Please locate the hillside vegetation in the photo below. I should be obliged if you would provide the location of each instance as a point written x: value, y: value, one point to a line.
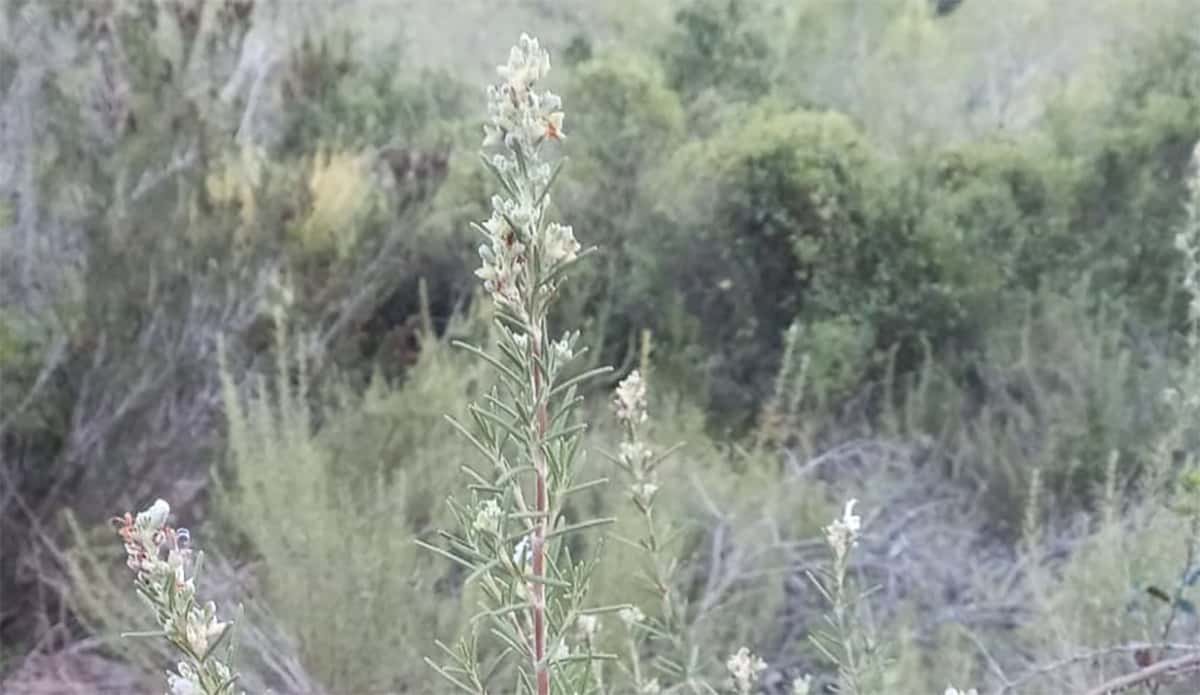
x: 937, y: 256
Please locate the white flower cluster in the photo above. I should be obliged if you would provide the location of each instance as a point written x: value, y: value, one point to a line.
x: 634, y: 456
x: 518, y: 116
x: 489, y: 517
x: 520, y: 119
x: 631, y: 616
x: 802, y: 686
x: 586, y: 627
x: 160, y: 556
x: 956, y: 691
x: 630, y: 401
x: 842, y: 534
x: 744, y: 668
x: 505, y: 256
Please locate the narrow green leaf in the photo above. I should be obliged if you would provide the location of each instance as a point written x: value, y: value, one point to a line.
x: 487, y: 453
x: 583, y: 486
x: 503, y: 611
x: 449, y: 556
x: 453, y: 681
x: 491, y: 672
x: 147, y: 633
x: 500, y: 630
x: 605, y: 610
x: 507, y: 427
x: 550, y: 182
x: 547, y: 581
x: 512, y: 473
x: 481, y: 570
x: 487, y: 163
x: 502, y: 406
x: 565, y: 432
x: 580, y: 526
x: 486, y: 357
x: 579, y: 378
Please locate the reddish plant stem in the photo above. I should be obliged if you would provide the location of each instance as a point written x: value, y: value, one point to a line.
x: 538, y: 590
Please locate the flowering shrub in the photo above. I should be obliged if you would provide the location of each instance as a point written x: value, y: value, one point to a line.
x: 166, y: 570
x: 512, y: 530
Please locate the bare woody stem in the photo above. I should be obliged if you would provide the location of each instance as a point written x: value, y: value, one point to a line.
x: 1182, y: 664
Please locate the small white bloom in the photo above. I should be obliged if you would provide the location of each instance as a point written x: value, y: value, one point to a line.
x: 644, y: 491
x: 154, y: 517
x: 744, y: 668
x: 197, y: 637
x: 185, y: 682
x: 560, y: 652
x: 956, y: 691
x: 203, y: 628
x: 501, y: 163
x: 540, y: 174
x: 562, y: 349
x: 521, y: 553
x: 842, y: 534
x: 630, y: 400
x: 492, y: 136
x: 650, y: 687
x: 561, y: 245
x: 802, y: 686
x: 631, y: 616
x: 549, y: 101
x: 527, y: 63
x: 586, y: 626
x: 850, y: 520
x: 634, y: 454
x: 489, y: 517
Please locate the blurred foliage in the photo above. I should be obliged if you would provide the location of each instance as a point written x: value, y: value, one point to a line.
x: 772, y: 225
x: 713, y: 46
x: 331, y: 487
x: 159, y: 202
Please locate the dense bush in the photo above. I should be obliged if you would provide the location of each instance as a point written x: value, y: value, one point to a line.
x: 773, y: 226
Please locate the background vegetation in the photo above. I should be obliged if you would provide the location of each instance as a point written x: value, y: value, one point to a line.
x: 919, y: 252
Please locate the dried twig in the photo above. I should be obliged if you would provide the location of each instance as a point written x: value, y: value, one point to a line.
x: 1178, y: 665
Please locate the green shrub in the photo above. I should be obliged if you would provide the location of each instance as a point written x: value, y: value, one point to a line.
x: 632, y: 119
x: 331, y: 488
x: 714, y: 46
x: 772, y: 224
x: 1131, y: 145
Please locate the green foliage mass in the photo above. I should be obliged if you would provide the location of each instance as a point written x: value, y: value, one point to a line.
x: 771, y: 227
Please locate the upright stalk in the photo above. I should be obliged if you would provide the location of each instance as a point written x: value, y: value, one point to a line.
x: 532, y: 589
x: 541, y: 506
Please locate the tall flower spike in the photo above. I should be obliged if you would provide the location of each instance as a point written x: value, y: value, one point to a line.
x: 512, y: 540
x: 520, y: 120
x: 164, y: 570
